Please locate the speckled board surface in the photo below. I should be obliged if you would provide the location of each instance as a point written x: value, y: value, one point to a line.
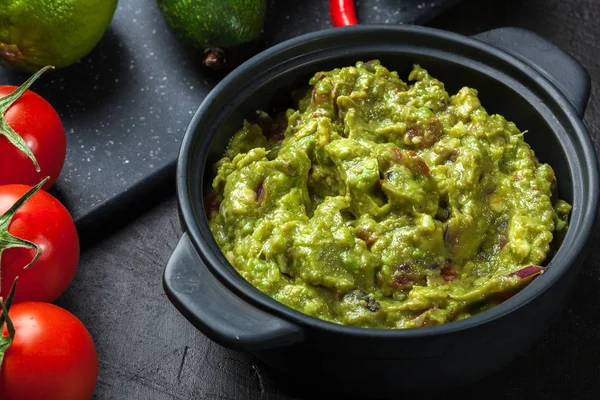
x: 126, y: 106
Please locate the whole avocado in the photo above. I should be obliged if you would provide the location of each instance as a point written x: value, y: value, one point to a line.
x: 216, y: 27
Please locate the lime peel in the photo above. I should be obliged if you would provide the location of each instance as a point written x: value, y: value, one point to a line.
x: 36, y: 33
x: 11, y: 53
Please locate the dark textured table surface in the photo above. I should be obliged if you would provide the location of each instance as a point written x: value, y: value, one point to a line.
x: 147, y: 350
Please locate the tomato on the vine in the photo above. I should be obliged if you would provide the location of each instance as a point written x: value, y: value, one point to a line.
x: 32, y: 137
x: 39, y: 227
x: 52, y: 355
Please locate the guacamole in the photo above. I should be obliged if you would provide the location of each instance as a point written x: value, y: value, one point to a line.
x: 381, y: 203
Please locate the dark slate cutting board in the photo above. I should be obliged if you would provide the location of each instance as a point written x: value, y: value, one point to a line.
x: 126, y: 106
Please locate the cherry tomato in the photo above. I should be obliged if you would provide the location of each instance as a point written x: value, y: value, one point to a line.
x: 40, y: 126
x: 44, y: 221
x: 52, y: 356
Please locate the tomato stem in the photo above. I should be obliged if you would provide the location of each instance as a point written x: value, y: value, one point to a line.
x: 6, y: 341
x: 9, y: 300
x: 342, y: 12
x: 5, y: 129
x: 8, y: 241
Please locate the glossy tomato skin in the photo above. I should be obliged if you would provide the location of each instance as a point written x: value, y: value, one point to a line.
x: 38, y: 123
x: 44, y: 221
x: 52, y: 357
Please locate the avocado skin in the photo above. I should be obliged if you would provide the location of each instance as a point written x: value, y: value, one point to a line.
x: 214, y: 23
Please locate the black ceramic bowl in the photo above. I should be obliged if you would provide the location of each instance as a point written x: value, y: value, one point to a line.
x: 518, y: 74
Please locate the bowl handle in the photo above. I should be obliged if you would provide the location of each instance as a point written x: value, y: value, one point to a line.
x: 557, y: 66
x: 216, y: 311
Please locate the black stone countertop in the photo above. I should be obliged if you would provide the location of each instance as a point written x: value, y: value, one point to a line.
x: 148, y: 350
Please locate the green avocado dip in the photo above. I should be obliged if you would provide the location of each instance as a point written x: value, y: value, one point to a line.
x: 383, y: 204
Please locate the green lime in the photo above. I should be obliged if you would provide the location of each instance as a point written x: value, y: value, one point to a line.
x: 36, y: 33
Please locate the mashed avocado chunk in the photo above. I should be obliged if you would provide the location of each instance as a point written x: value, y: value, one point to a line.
x: 381, y: 203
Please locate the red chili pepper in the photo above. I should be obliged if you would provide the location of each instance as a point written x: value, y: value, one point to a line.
x: 342, y: 12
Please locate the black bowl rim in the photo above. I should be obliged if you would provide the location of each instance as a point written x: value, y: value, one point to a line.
x: 235, y: 282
